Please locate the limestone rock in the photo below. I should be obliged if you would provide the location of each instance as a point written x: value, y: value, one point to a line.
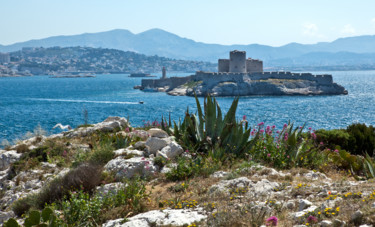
x: 303, y: 204
x: 167, y: 217
x: 262, y: 187
x: 225, y: 185
x: 7, y: 158
x: 4, y: 216
x: 130, y: 167
x: 171, y: 151
x: 338, y: 223
x: 156, y: 132
x: 127, y: 151
x: 219, y: 174
x: 140, y: 133
x: 302, y: 213
x: 111, y: 124
x: 109, y: 188
x: 154, y: 144
x: 140, y: 145
x: 326, y: 223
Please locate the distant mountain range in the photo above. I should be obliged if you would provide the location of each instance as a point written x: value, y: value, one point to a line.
x: 352, y: 51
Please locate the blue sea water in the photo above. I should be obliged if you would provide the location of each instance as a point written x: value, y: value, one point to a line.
x: 26, y: 102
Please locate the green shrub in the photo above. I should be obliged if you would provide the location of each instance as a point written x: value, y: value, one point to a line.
x: 160, y: 161
x: 102, y: 155
x: 186, y: 168
x: 85, y: 177
x: 81, y: 210
x: 23, y: 205
x: 332, y: 138
x: 362, y: 139
x: 22, y: 148
x: 182, y: 171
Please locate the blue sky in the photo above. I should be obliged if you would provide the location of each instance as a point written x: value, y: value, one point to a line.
x: 269, y: 22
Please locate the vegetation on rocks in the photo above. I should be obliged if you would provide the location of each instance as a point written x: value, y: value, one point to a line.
x: 217, y: 169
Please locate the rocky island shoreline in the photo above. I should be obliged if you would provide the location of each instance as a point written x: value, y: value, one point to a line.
x: 239, y: 76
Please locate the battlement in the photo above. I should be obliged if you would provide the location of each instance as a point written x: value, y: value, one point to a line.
x: 229, y: 76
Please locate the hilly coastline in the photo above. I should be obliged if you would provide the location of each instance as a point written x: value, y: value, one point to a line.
x: 341, y: 54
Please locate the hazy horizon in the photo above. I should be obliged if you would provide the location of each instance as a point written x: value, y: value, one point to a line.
x: 272, y: 23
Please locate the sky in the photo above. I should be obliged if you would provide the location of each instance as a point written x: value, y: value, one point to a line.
x: 268, y: 22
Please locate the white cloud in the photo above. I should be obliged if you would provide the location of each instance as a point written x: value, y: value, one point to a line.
x: 373, y: 21
x: 311, y: 30
x: 348, y: 29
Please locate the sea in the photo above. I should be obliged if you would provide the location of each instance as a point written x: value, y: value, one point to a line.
x: 30, y: 102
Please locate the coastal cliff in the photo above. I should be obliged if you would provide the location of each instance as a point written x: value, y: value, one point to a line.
x: 259, y: 87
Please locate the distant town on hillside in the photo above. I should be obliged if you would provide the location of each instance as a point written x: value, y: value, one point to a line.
x: 73, y: 60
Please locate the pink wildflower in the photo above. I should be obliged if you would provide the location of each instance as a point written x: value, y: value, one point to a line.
x: 312, y: 219
x: 244, y: 117
x: 337, y: 151
x: 271, y: 221
x: 261, y: 123
x: 268, y: 155
x: 285, y: 125
x: 273, y: 126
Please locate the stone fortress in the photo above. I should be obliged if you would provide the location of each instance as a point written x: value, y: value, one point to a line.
x: 245, y: 77
x: 237, y: 63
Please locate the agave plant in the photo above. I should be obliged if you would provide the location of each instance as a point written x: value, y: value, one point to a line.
x: 209, y: 130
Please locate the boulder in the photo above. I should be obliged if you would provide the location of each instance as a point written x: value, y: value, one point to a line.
x: 167, y: 217
x: 7, y: 158
x: 154, y: 144
x: 140, y: 133
x: 4, y: 216
x: 131, y: 167
x: 303, y: 204
x: 171, y: 151
x: 156, y: 132
x: 296, y: 216
x: 219, y: 174
x: 109, y: 188
x: 263, y: 187
x: 225, y: 185
x: 326, y: 223
x: 127, y: 151
x: 111, y: 124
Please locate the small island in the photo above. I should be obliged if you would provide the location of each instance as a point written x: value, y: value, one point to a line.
x: 239, y: 76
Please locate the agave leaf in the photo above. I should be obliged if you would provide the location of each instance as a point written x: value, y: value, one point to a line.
x: 230, y: 117
x: 200, y: 115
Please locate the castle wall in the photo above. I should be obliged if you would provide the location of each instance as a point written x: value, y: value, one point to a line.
x: 223, y: 65
x: 253, y: 65
x: 171, y: 82
x: 237, y: 62
x: 210, y: 77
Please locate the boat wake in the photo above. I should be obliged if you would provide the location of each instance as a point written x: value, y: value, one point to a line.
x: 85, y: 101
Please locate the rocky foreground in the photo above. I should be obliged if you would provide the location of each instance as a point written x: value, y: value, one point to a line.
x: 241, y: 195
x: 260, y: 87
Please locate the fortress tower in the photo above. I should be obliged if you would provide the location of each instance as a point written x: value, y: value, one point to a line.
x: 239, y: 64
x: 164, y: 73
